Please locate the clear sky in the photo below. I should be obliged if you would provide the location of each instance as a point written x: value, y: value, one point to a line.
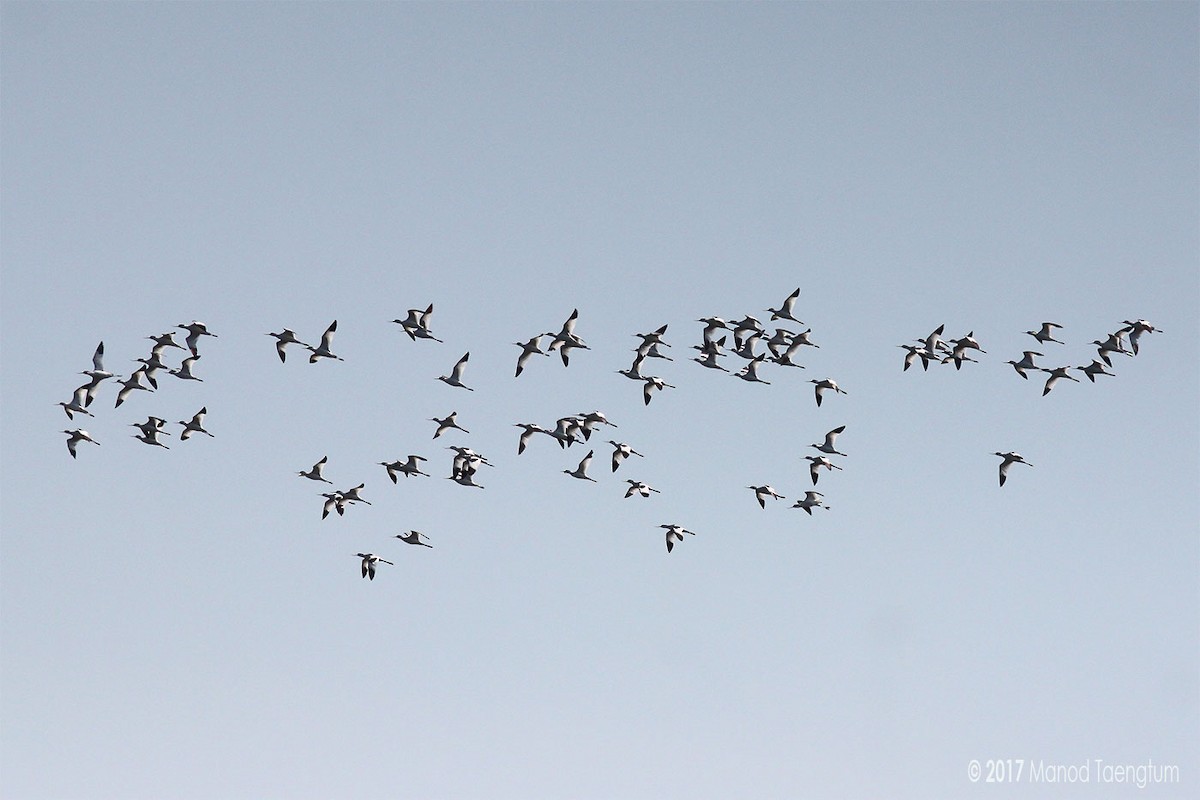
x: 182, y: 623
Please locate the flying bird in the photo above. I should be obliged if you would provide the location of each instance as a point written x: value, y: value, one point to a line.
x: 827, y: 446
x: 581, y: 470
x: 322, y: 350
x: 195, y: 425
x: 814, y: 466
x: 185, y: 369
x: 1055, y: 375
x: 621, y: 451
x: 455, y: 376
x: 77, y: 403
x: 446, y: 424
x: 785, y: 309
x: 821, y: 386
x: 652, y: 384
x: 811, y: 500
x: 75, y: 437
x: 284, y: 338
x: 761, y: 493
x: 195, y: 331
x: 1009, y: 459
x: 1045, y: 333
x: 314, y: 474
x: 675, y: 535
x: 369, y: 560
x: 1026, y: 363
x: 638, y: 487
x: 413, y: 537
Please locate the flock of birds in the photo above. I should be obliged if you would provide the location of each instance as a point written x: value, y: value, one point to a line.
x: 752, y: 342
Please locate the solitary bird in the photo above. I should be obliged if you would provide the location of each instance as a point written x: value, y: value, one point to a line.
x: 1009, y: 459
x: 455, y: 376
x: 284, y: 338
x: 1026, y: 363
x: 638, y: 487
x: 322, y: 350
x: 814, y: 466
x: 581, y: 470
x: 413, y: 537
x: 1045, y: 333
x: 675, y: 535
x: 77, y: 403
x: 194, y: 425
x: 446, y: 424
x: 185, y: 369
x: 369, y: 560
x: 532, y: 347
x: 652, y: 384
x: 785, y: 310
x: 822, y: 385
x: 811, y: 500
x: 75, y: 437
x: 622, y: 451
x: 195, y: 331
x: 827, y: 446
x: 1055, y: 375
x: 314, y: 474
x: 761, y: 493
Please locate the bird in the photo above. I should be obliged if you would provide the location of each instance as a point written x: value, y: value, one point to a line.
x: 811, y: 500
x: 652, y: 338
x: 1045, y: 333
x: 314, y: 474
x: 634, y: 372
x: 413, y: 537
x: 455, y: 376
x: 163, y: 341
x: 369, y: 560
x: 185, y: 369
x: 416, y: 325
x: 408, y: 468
x: 749, y: 373
x: 827, y: 446
x: 566, y: 340
x: 75, y: 437
x: 529, y: 429
x: 195, y: 425
x: 638, y: 487
x: 822, y: 385
x: 745, y: 348
x: 1094, y: 369
x: 466, y: 459
x: 621, y: 451
x: 333, y: 502
x: 761, y: 493
x: 352, y: 495
x: 129, y: 385
x: 322, y: 350
x: 711, y: 326
x: 591, y: 419
x: 581, y: 470
x: 968, y: 342
x: 1010, y: 458
x: 1055, y: 375
x: 1110, y: 345
x: 958, y: 354
x: 152, y: 426
x: 77, y: 403
x: 529, y: 348
x: 195, y: 331
x: 464, y: 475
x: 149, y: 369
x: 1026, y: 363
x: 1135, y: 329
x: 97, y: 369
x: 150, y: 437
x: 566, y: 431
x: 709, y: 360
x: 914, y: 353
x: 446, y: 424
x: 785, y: 309
x: 779, y: 341
x: 651, y: 384
x: 749, y: 326
x: 675, y: 535
x: 933, y: 340
x: 815, y: 464
x: 284, y: 338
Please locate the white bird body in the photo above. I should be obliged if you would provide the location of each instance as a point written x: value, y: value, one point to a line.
x: 581, y: 470
x: 314, y: 474
x: 1045, y: 333
x: 621, y: 451
x: 1009, y: 459
x: 822, y: 385
x: 814, y: 466
x: 408, y: 468
x: 75, y: 437
x: 455, y: 376
x: 915, y: 352
x: 1056, y: 374
x: 195, y: 331
x: 528, y: 430
x: 195, y: 425
x: 529, y: 348
x: 785, y: 310
x: 675, y: 535
x: 1026, y: 363
x: 828, y: 445
x: 284, y: 338
x: 447, y: 423
x: 129, y: 386
x: 749, y: 372
x: 761, y: 493
x: 638, y: 487
x: 185, y: 369
x: 323, y: 349
x: 369, y: 560
x: 811, y: 500
x: 77, y: 404
x: 652, y: 384
x: 1094, y: 369
x: 413, y: 537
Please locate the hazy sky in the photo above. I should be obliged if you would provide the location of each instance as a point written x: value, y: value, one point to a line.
x: 182, y: 623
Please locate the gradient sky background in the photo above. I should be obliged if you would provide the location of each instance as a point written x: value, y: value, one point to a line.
x: 182, y: 624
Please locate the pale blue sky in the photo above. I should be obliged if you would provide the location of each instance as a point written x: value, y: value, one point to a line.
x: 183, y: 624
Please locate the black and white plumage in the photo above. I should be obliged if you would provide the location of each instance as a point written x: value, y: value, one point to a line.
x: 455, y: 376
x: 283, y: 339
x: 75, y: 437
x: 413, y: 537
x: 761, y: 493
x: 194, y: 425
x: 369, y: 560
x: 323, y: 350
x: 1009, y: 459
x: 315, y: 474
x: 828, y: 445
